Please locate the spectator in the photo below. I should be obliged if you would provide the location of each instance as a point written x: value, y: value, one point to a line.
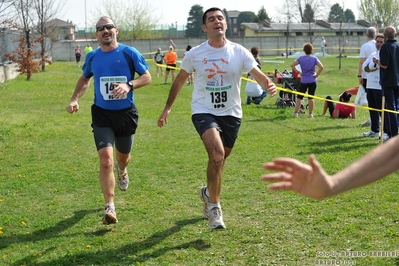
x: 323, y: 45
x: 170, y: 59
x: 340, y: 110
x: 190, y: 78
x: 365, y: 51
x: 255, y: 93
x: 88, y: 49
x: 78, y: 54
x: 389, y: 78
x: 158, y: 60
x: 312, y: 181
x: 308, y: 75
x: 374, y: 92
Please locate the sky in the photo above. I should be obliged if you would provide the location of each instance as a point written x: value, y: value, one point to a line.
x: 173, y: 11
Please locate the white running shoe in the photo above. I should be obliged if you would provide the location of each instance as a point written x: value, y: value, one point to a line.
x: 109, y: 216
x: 205, y: 200
x: 215, y: 217
x: 123, y: 178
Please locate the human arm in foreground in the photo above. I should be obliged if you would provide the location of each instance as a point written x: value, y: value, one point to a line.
x: 174, y: 91
x: 264, y: 81
x: 80, y: 89
x: 312, y: 181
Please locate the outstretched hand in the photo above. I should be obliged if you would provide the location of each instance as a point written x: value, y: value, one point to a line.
x: 309, y: 180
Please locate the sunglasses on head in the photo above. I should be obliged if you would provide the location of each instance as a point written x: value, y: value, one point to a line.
x: 108, y: 27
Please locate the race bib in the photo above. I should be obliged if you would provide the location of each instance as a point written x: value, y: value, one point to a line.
x: 107, y: 85
x: 218, y: 97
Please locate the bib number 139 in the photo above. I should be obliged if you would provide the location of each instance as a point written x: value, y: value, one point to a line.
x: 218, y: 98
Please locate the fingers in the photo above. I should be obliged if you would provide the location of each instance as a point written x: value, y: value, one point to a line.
x: 281, y: 186
x: 277, y: 177
x: 162, y: 121
x: 71, y: 108
x: 282, y: 164
x: 120, y: 91
x: 316, y: 166
x: 271, y: 89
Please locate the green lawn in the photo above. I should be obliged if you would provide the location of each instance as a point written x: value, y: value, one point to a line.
x: 51, y: 202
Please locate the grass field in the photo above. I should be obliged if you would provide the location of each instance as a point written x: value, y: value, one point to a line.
x: 51, y: 203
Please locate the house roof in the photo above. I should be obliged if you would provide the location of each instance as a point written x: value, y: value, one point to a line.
x: 233, y: 13
x: 317, y: 26
x: 60, y: 23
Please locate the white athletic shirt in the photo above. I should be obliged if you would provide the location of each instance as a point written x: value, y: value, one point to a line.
x: 365, y: 51
x: 218, y: 73
x: 373, y: 78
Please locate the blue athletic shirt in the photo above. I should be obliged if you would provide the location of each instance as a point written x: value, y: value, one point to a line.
x: 116, y: 66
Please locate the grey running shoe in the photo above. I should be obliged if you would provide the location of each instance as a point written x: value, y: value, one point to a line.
x: 205, y: 199
x: 371, y: 134
x: 123, y: 178
x: 109, y: 216
x: 216, y: 219
x: 385, y: 136
x: 366, y: 124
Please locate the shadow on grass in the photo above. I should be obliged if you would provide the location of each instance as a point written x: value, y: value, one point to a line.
x: 46, y: 233
x: 128, y: 254
x: 336, y: 146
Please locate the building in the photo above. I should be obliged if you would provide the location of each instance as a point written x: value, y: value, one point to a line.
x: 61, y: 30
x: 234, y: 27
x: 314, y: 29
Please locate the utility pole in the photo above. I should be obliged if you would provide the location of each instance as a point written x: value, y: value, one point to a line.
x: 85, y: 21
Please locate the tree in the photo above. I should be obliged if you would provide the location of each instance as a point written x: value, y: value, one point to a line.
x: 229, y: 27
x: 5, y: 5
x: 246, y: 16
x: 7, y: 21
x: 384, y: 12
x: 194, y: 22
x: 45, y: 11
x: 336, y: 14
x: 296, y: 8
x: 133, y: 18
x: 262, y: 15
x: 25, y: 55
x: 308, y: 14
x: 349, y: 16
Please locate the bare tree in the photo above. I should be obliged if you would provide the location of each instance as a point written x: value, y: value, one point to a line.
x: 135, y: 19
x: 6, y: 8
x: 296, y: 8
x: 380, y: 12
x: 24, y: 55
x: 7, y: 18
x: 46, y: 10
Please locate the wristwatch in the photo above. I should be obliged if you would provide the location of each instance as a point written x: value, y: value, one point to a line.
x: 359, y: 76
x: 130, y: 84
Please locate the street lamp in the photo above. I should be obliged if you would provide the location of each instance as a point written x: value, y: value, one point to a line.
x: 85, y: 22
x: 176, y: 28
x: 288, y: 33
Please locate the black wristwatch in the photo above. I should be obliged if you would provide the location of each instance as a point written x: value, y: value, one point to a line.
x: 130, y: 84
